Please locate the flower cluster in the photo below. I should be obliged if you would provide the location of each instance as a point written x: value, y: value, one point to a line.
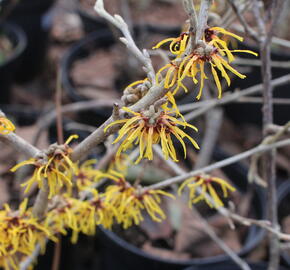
x: 6, y: 126
x: 85, y: 175
x: 151, y: 127
x: 130, y: 202
x: 119, y: 202
x: 53, y: 166
x: 191, y: 62
x: 80, y: 216
x: 206, y: 182
x: 20, y: 232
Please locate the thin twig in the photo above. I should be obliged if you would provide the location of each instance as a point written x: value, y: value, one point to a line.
x: 83, y: 149
x: 58, y: 106
x: 41, y: 202
x: 44, y: 121
x: 208, y: 229
x: 248, y: 30
x: 190, y: 10
x: 118, y: 21
x: 202, y: 19
x: 269, y: 161
x: 19, y: 144
x: 220, y: 164
x: 24, y: 265
x: 234, y: 96
x: 257, y: 62
x: 56, y: 254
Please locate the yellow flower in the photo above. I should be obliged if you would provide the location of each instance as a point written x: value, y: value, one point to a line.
x: 80, y: 216
x: 134, y: 206
x: 171, y: 77
x: 130, y: 202
x: 150, y: 127
x: 206, y: 183
x: 116, y: 194
x: 136, y: 84
x: 151, y: 200
x: 6, y: 126
x: 177, y: 45
x: 120, y: 163
x: 86, y: 174
x: 54, y: 165
x: 194, y: 63
x: 20, y: 232
x: 211, y: 37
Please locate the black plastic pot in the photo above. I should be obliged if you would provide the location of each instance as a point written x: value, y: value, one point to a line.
x: 121, y: 255
x: 233, y: 266
x: 242, y: 113
x: 36, y: 20
x: 80, y: 256
x: 82, y: 49
x: 10, y: 65
x: 284, y: 210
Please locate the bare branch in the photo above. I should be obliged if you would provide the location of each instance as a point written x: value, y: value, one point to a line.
x: 155, y: 93
x: 190, y: 10
x: 220, y: 164
x: 202, y: 18
x: 19, y: 144
x: 209, y: 230
x: 249, y: 31
x: 233, y: 97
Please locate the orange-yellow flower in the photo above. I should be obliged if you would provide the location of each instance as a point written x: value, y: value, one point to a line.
x: 177, y: 45
x: 132, y: 210
x: 151, y: 127
x: 170, y: 77
x: 130, y: 202
x: 80, y: 216
x: 53, y: 166
x: 116, y: 194
x: 211, y: 38
x: 6, y: 126
x: 86, y: 175
x: 194, y: 64
x: 206, y: 183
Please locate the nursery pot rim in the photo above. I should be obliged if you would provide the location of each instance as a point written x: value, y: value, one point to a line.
x: 21, y: 41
